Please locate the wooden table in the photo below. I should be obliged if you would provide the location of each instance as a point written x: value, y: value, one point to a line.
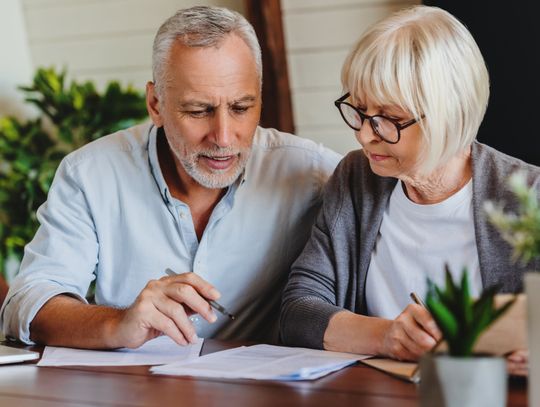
x: 27, y: 385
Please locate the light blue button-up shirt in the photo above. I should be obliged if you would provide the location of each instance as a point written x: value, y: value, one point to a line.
x: 109, y: 216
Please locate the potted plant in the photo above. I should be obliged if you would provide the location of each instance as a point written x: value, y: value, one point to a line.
x: 460, y: 377
x: 522, y: 231
x: 71, y: 115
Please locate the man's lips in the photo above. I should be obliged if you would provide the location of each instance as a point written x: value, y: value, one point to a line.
x: 219, y: 162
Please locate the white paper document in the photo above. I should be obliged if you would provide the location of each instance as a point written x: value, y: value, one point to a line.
x: 157, y: 351
x: 262, y: 362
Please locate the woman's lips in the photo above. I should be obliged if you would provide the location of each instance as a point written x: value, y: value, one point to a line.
x: 377, y: 157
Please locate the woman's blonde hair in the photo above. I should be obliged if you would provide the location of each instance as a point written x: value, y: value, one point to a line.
x: 425, y: 61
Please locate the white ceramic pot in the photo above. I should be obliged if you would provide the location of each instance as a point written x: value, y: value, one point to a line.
x: 448, y: 381
x: 532, y: 288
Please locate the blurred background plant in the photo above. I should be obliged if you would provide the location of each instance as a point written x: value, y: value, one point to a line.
x: 521, y: 229
x: 69, y: 117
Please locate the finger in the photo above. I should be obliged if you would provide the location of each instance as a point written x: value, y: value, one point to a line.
x: 191, y: 298
x: 424, y: 319
x: 401, y: 352
x: 202, y: 286
x: 175, y: 313
x: 518, y: 356
x: 162, y: 323
x: 517, y: 369
x: 398, y: 343
x: 415, y: 332
x: 413, y: 348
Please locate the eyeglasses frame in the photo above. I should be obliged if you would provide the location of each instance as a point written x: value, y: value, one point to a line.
x: 363, y: 116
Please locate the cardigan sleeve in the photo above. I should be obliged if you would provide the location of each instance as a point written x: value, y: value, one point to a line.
x: 309, y: 299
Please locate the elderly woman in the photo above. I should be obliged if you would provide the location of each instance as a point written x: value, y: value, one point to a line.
x: 408, y: 202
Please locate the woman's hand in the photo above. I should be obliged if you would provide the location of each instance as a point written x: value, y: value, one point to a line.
x: 410, y: 335
x: 517, y: 363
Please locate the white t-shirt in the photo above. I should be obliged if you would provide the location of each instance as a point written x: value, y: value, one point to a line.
x: 414, y: 243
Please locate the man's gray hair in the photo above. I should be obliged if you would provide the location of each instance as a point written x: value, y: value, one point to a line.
x: 200, y: 26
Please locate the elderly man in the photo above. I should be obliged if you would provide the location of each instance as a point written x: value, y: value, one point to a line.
x: 202, y: 191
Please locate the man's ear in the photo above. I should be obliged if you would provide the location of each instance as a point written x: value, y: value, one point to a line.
x: 153, y: 104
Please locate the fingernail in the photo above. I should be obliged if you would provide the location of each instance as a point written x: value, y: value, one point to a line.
x: 213, y: 317
x: 214, y: 293
x: 194, y: 338
x: 430, y: 342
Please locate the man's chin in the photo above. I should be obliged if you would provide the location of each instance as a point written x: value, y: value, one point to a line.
x: 217, y: 179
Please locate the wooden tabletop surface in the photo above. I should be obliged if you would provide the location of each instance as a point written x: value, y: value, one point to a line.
x: 25, y: 384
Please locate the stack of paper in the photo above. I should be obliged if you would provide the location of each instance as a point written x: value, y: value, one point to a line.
x: 154, y: 352
x: 262, y: 362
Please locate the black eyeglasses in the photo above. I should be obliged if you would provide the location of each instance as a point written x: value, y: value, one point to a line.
x: 388, y: 129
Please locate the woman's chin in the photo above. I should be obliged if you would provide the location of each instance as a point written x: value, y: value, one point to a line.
x: 381, y: 170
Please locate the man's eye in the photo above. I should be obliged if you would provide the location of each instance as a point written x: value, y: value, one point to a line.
x: 240, y: 109
x: 197, y: 113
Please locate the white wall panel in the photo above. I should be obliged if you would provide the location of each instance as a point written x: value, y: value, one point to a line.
x: 316, y: 108
x: 101, y: 40
x: 294, y: 5
x: 82, y: 18
x: 15, y: 65
x: 97, y: 53
x: 316, y: 69
x: 339, y: 138
x: 322, y: 29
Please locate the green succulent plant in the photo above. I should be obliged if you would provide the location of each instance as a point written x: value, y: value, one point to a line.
x: 71, y: 115
x: 461, y: 318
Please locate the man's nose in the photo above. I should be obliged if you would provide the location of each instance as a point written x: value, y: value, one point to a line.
x: 222, y: 132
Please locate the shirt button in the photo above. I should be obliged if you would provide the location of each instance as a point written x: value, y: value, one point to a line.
x: 182, y: 215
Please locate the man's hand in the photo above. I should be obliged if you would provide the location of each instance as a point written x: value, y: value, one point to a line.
x: 411, y: 334
x: 164, y: 307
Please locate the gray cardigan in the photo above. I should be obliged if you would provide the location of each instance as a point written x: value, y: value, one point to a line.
x: 330, y: 274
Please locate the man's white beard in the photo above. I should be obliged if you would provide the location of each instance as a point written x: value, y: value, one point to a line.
x: 213, y: 178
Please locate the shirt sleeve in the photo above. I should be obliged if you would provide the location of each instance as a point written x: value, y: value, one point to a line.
x: 309, y: 298
x: 61, y: 259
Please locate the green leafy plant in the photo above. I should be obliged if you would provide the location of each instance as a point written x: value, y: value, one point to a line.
x: 71, y: 115
x: 461, y: 318
x: 521, y: 230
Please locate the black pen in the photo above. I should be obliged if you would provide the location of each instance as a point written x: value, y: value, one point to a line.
x: 213, y: 304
